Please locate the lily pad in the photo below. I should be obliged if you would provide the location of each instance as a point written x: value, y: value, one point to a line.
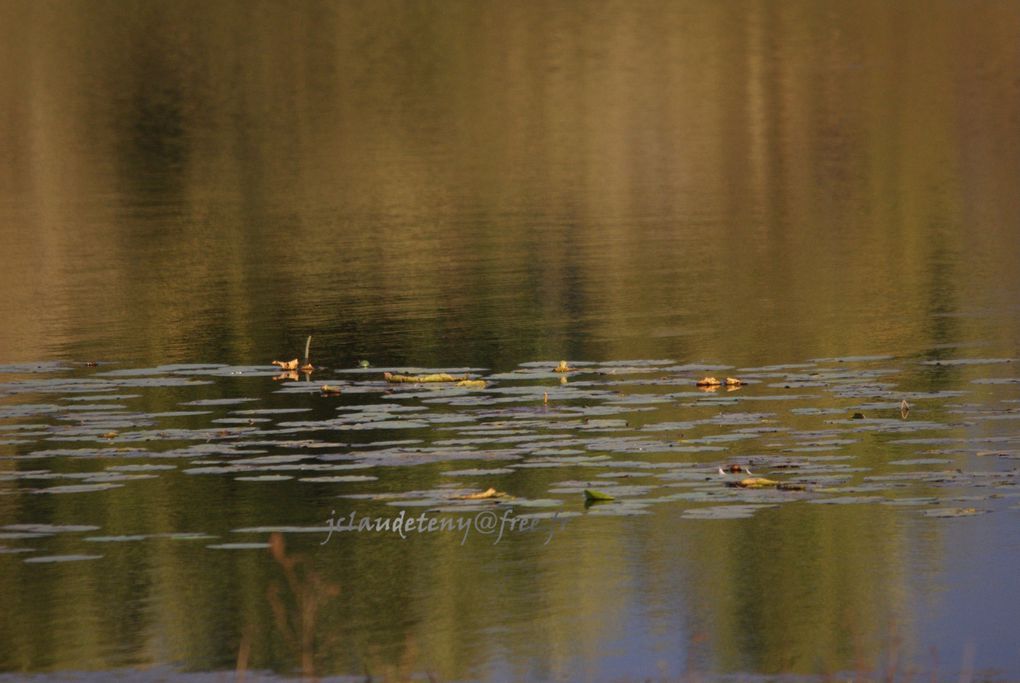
x: 954, y: 512
x: 49, y: 559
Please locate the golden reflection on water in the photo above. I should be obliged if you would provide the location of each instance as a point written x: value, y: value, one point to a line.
x: 490, y: 183
x: 723, y: 181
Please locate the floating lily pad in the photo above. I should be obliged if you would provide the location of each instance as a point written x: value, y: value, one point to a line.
x: 954, y: 512
x: 265, y: 477
x: 187, y: 536
x: 49, y: 559
x: 340, y: 479
x: 477, y: 472
x: 724, y: 512
x: 282, y: 529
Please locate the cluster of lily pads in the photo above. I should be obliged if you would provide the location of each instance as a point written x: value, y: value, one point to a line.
x: 631, y: 435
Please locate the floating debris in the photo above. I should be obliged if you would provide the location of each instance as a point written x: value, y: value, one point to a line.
x: 734, y: 469
x: 591, y: 495
x: 329, y: 390
x: 753, y: 483
x: 286, y: 364
x: 423, y: 379
x: 563, y: 367
x: 472, y: 383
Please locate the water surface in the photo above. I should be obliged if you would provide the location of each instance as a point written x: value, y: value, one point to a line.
x: 819, y: 199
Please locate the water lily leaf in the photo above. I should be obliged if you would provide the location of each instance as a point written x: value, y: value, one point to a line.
x: 78, y: 488
x: 954, y: 512
x: 724, y: 511
x: 340, y: 478
x: 51, y: 528
x: 47, y: 559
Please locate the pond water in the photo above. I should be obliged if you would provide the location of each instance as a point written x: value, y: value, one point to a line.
x: 818, y: 200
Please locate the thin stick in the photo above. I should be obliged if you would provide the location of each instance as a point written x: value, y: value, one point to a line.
x: 308, y: 346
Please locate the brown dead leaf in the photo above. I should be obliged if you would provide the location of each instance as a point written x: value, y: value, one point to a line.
x: 286, y: 365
